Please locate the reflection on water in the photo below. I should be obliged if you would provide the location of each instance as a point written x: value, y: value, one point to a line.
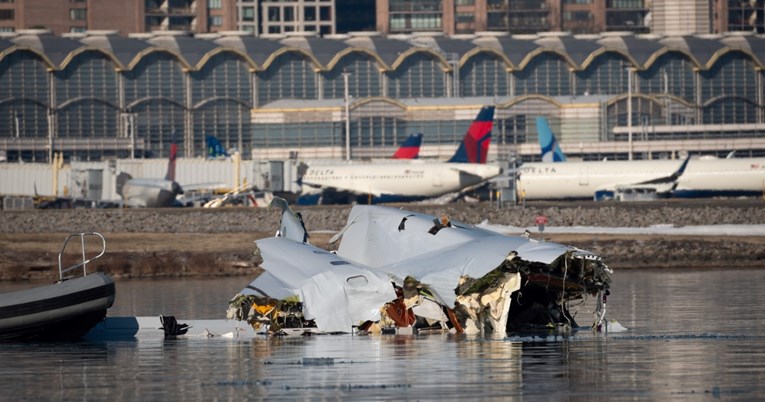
x: 696, y: 333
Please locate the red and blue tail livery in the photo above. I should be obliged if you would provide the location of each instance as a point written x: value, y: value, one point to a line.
x: 410, y: 148
x: 170, y: 175
x: 475, y: 146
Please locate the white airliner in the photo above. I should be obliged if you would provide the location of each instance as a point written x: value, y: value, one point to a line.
x: 407, y: 181
x: 595, y: 180
x: 602, y: 180
x: 702, y: 177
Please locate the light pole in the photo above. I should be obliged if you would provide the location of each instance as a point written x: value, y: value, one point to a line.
x: 629, y: 113
x: 346, y: 75
x: 17, y: 129
x: 16, y: 124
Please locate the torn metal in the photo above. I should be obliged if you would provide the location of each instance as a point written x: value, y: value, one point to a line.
x: 396, y: 270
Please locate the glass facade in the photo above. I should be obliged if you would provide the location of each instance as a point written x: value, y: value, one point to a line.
x: 484, y: 75
x: 363, y: 77
x: 158, y: 96
x: 290, y: 76
x: 672, y: 73
x: 548, y: 74
x: 221, y: 98
x: 606, y: 75
x: 420, y: 75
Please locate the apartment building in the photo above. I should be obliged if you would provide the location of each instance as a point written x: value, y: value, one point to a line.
x: 197, y: 16
x: 515, y: 16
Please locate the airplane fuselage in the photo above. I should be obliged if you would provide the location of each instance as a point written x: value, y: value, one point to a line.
x: 702, y: 177
x: 410, y: 179
x: 151, y: 193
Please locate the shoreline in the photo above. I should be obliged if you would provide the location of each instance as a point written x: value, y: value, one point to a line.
x: 174, y: 243
x: 34, y: 256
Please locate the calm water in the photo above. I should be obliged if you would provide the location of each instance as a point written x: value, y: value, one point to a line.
x: 695, y: 334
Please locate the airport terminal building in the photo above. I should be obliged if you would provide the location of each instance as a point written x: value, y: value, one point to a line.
x: 97, y: 95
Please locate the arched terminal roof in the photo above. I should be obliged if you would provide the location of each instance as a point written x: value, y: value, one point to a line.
x: 257, y: 49
x: 639, y: 49
x: 703, y: 50
x: 193, y: 50
x: 324, y: 50
x: 55, y: 49
x: 389, y: 50
x: 125, y: 50
x: 516, y: 50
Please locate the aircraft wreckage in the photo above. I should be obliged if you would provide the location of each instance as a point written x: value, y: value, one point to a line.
x: 399, y: 271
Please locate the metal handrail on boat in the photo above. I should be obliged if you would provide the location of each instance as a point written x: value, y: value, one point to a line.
x: 85, y: 261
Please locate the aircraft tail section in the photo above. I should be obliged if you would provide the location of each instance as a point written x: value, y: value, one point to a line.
x: 475, y: 146
x: 214, y: 147
x: 291, y: 225
x: 171, y: 163
x: 551, y: 151
x: 410, y: 148
x: 122, y: 178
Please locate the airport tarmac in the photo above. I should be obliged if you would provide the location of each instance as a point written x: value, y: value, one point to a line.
x: 144, y: 243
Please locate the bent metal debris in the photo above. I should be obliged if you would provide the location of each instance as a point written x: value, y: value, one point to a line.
x: 397, y: 271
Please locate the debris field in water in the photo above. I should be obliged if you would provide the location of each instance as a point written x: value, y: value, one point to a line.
x: 397, y: 271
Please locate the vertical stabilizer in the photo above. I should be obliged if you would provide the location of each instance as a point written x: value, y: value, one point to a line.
x: 171, y: 163
x: 474, y: 148
x: 214, y: 147
x: 410, y: 148
x: 551, y: 151
x: 291, y: 226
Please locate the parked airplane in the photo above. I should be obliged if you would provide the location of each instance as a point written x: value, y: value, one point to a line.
x: 409, y: 181
x: 701, y: 177
x: 597, y: 180
x: 150, y: 192
x: 551, y: 151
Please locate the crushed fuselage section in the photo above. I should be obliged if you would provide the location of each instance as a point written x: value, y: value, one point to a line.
x: 393, y: 273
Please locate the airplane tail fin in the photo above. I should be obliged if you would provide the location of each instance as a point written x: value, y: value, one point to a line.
x: 171, y: 163
x: 551, y: 151
x: 291, y: 225
x: 475, y: 146
x: 410, y: 148
x: 122, y: 178
x: 214, y: 147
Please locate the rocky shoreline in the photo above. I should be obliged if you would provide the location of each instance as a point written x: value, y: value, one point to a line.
x: 242, y: 220
x: 203, y: 242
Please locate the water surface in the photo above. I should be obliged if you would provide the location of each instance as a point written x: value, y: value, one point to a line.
x: 693, y: 334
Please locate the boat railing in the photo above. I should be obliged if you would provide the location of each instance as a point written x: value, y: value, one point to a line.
x: 85, y: 260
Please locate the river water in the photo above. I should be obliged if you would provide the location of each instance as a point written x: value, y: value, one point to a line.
x: 692, y: 334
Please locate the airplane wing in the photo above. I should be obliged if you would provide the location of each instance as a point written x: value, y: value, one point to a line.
x: 671, y: 178
x: 659, y: 185
x: 334, y: 292
x: 204, y: 186
x: 461, y: 170
x: 450, y: 197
